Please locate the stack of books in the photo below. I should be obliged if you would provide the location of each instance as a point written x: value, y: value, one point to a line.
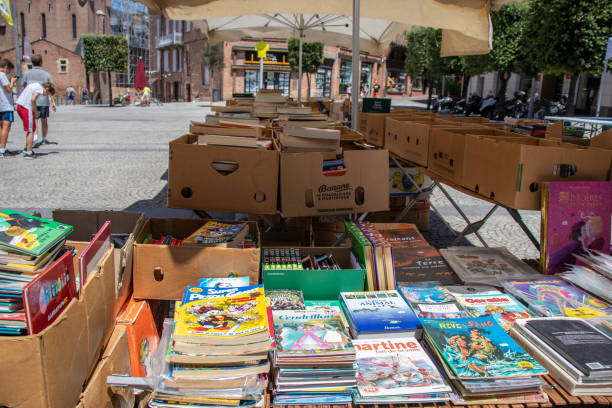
x: 219, y: 348
x: 577, y: 354
x: 28, y: 247
x: 298, y: 139
x: 266, y: 103
x: 594, y: 276
x: 483, y: 363
x: 314, y: 358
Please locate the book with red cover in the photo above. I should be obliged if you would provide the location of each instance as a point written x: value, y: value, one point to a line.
x: 90, y: 257
x: 47, y: 295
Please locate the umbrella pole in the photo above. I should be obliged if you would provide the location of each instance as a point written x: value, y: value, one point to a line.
x: 355, y: 67
x: 300, y: 60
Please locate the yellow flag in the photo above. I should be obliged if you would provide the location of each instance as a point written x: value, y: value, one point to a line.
x: 5, y: 9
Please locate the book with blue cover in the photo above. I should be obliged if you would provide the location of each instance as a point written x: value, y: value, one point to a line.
x: 479, y: 348
x: 432, y: 301
x: 371, y: 314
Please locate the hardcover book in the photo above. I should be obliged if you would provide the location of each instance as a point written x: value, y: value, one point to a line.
x: 395, y: 367
x: 373, y: 313
x: 29, y: 234
x: 479, y: 348
x: 549, y: 296
x: 90, y: 257
x: 421, y: 264
x: 286, y: 299
x: 503, y: 308
x: 575, y: 219
x: 364, y: 251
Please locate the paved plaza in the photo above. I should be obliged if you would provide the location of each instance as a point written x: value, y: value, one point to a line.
x: 117, y: 158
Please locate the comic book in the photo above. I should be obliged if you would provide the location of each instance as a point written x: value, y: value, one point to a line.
x: 218, y: 234
x: 235, y: 282
x: 479, y: 348
x: 430, y: 301
x: 504, y: 308
x: 222, y: 316
x: 549, y: 296
x: 30, y: 235
x: 395, y: 367
x: 286, y: 299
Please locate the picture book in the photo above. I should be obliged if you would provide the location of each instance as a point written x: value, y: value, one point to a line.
x: 311, y: 332
x: 421, y: 264
x: 459, y: 290
x: 503, y: 308
x: 575, y: 219
x: 479, y: 348
x: 395, y: 367
x: 286, y: 299
x: 236, y: 282
x: 47, y: 295
x: 378, y: 312
x: 29, y: 234
x: 549, y: 296
x: 485, y: 265
x: 90, y: 257
x: 425, y: 292
x: 225, y: 316
x: 220, y: 234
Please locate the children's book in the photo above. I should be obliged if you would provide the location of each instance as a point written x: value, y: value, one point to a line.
x: 549, y: 296
x: 286, y: 299
x: 460, y: 290
x: 47, y: 295
x: 29, y: 234
x: 398, y: 366
x: 432, y: 301
x: 89, y: 258
x: 219, y: 234
x: 222, y: 316
x: 485, y: 265
x: 575, y: 219
x: 373, y: 313
x: 237, y: 282
x: 503, y: 308
x: 479, y: 348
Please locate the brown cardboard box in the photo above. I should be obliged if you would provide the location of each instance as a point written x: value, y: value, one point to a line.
x: 475, y: 120
x: 193, y: 183
x: 447, y: 149
x: 50, y: 368
x: 115, y: 360
x: 162, y: 271
x: 86, y: 223
x: 305, y: 191
x: 372, y: 125
x: 511, y: 170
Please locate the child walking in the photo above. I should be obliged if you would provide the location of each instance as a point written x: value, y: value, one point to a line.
x: 6, y: 104
x: 26, y: 108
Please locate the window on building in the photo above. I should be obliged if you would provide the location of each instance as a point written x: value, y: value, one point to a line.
x: 188, y: 59
x: 2, y: 29
x: 251, y: 81
x: 179, y: 27
x: 205, y: 76
x: 323, y: 82
x: 63, y: 66
x: 158, y: 65
x: 174, y: 61
x: 166, y: 61
x: 346, y: 75
x: 74, y: 27
x: 23, y: 30
x: 43, y: 22
x: 188, y: 26
x: 157, y: 26
x: 167, y: 27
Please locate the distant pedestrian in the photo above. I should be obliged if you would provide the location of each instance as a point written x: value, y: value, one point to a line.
x: 27, y: 110
x: 376, y: 89
x: 37, y: 74
x: 85, y: 97
x: 70, y: 95
x: 349, y: 90
x: 6, y: 103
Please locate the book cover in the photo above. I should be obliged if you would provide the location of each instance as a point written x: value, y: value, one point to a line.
x: 479, y: 348
x: 549, y: 296
x: 421, y: 264
x: 29, y: 234
x: 286, y: 299
x: 46, y: 296
x: 395, y: 367
x: 237, y: 282
x: 220, y: 315
x: 503, y: 308
x: 90, y: 257
x: 398, y: 234
x: 378, y: 247
x: 378, y: 312
x: 427, y: 292
x: 482, y: 265
x: 215, y: 233
x: 575, y: 219
x: 578, y: 342
x: 311, y: 332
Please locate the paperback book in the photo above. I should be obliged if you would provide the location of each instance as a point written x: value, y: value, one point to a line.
x: 286, y: 299
x: 219, y: 234
x: 503, y: 308
x: 28, y: 234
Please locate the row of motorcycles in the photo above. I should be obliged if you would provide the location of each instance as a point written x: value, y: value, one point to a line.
x: 494, y: 109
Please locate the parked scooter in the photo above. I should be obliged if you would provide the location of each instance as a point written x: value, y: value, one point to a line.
x: 458, y: 106
x: 473, y: 104
x: 488, y: 106
x: 442, y: 104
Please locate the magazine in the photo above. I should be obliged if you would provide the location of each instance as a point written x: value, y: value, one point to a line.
x: 430, y: 301
x: 503, y: 308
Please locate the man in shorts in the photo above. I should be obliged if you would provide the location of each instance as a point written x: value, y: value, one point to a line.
x: 6, y: 103
x: 37, y: 74
x: 27, y: 107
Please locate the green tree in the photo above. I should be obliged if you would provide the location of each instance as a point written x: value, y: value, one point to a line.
x: 312, y: 57
x: 105, y: 53
x: 568, y: 36
x: 213, y: 59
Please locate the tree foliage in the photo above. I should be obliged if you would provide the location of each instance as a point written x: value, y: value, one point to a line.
x: 212, y: 57
x: 423, y: 55
x: 105, y: 53
x: 312, y: 55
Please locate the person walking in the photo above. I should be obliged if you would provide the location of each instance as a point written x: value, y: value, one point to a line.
x: 70, y: 95
x: 6, y: 103
x: 37, y: 74
x: 85, y: 97
x: 27, y: 110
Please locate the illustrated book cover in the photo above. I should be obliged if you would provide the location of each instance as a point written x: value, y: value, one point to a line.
x: 236, y: 282
x: 286, y: 299
x: 432, y: 301
x: 29, y: 234
x: 504, y: 308
x: 421, y: 264
x: 219, y: 234
x: 479, y: 348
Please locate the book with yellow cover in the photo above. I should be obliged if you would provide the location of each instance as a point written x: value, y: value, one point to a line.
x: 222, y: 316
x: 218, y: 234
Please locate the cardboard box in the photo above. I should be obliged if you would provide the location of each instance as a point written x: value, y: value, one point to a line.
x: 447, y: 149
x: 50, y: 368
x: 86, y: 223
x: 511, y: 170
x: 306, y: 191
x: 319, y: 284
x: 193, y: 182
x: 162, y: 272
x: 115, y: 360
x: 143, y: 339
x: 372, y: 125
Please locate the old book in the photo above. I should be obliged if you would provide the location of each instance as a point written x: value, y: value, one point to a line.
x: 299, y: 144
x: 294, y: 110
x: 242, y: 130
x: 311, y: 133
x: 306, y: 123
x: 235, y: 141
x: 232, y: 109
x: 216, y: 120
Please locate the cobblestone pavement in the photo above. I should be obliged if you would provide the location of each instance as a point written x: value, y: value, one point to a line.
x: 117, y: 158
